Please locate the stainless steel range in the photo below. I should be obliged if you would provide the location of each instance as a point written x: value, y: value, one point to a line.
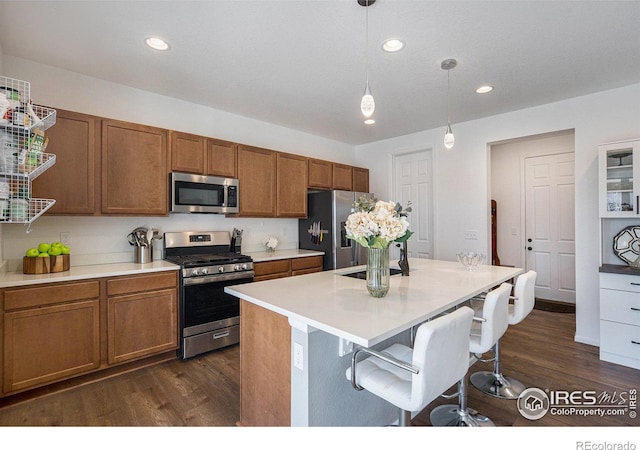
x: 209, y: 317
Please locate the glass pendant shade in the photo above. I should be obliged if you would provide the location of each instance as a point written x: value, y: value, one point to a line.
x: 449, y: 139
x: 367, y: 104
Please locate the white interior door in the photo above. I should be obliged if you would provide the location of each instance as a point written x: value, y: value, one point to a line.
x: 413, y: 180
x: 550, y: 225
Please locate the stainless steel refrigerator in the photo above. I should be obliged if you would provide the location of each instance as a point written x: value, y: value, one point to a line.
x: 323, y: 230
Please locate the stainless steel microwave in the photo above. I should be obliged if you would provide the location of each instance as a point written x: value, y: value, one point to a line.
x: 190, y: 193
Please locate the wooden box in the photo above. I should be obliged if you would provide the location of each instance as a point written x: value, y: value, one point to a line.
x: 37, y: 265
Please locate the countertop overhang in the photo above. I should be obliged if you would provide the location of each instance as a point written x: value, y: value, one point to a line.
x: 342, y: 306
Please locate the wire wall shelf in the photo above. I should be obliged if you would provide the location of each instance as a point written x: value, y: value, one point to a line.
x: 22, y: 152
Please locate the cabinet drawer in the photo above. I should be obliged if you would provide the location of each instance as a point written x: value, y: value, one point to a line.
x: 620, y: 306
x: 620, y: 339
x: 280, y: 266
x: 308, y: 262
x: 50, y: 294
x: 140, y: 283
x: 620, y: 282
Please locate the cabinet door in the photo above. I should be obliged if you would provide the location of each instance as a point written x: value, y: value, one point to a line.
x: 619, y: 179
x: 320, y: 174
x: 222, y: 158
x: 342, y: 177
x: 269, y: 270
x: 360, y: 179
x: 73, y: 179
x: 187, y: 153
x: 134, y: 169
x: 142, y: 324
x: 292, y: 186
x: 308, y: 264
x: 257, y: 178
x: 51, y: 343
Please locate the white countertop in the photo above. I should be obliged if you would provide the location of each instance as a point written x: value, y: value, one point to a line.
x: 12, y: 279
x: 342, y: 306
x: 282, y: 254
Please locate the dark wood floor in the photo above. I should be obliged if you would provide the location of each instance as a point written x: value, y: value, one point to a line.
x: 204, y: 391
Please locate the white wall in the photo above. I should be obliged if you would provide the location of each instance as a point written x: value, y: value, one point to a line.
x: 103, y: 239
x: 462, y: 176
x: 507, y: 161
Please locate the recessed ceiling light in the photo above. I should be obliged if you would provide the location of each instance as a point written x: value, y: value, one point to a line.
x: 484, y: 89
x: 156, y: 43
x: 392, y: 45
x: 369, y: 121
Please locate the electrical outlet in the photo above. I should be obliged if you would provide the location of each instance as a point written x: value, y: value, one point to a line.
x: 471, y: 234
x: 65, y: 238
x: 298, y: 356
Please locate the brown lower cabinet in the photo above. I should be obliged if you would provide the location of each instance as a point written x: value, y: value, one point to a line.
x: 142, y: 322
x: 281, y: 268
x: 58, y: 331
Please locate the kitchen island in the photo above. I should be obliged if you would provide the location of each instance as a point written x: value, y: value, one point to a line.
x: 297, y: 336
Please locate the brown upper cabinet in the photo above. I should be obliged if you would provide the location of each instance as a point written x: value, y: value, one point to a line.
x: 134, y: 169
x: 187, y: 152
x: 342, y: 177
x: 73, y: 181
x: 360, y: 179
x: 257, y: 178
x: 320, y: 174
x: 291, y: 185
x: 222, y: 158
x: 202, y: 156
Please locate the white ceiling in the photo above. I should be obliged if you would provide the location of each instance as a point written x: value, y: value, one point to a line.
x: 301, y: 63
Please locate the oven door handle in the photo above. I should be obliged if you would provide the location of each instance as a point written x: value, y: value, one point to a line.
x: 218, y: 277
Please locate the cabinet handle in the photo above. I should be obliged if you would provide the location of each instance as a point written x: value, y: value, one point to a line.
x: 635, y: 309
x: 637, y: 204
x: 634, y: 284
x: 635, y: 342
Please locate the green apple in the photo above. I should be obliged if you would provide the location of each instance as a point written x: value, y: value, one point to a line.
x: 43, y: 255
x: 55, y: 250
x: 66, y: 250
x: 32, y: 252
x: 56, y: 244
x: 44, y: 247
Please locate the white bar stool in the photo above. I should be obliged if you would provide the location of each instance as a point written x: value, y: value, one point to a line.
x: 493, y: 324
x: 494, y: 383
x: 411, y: 378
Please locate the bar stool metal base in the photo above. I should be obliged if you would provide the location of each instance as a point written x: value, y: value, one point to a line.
x: 452, y: 416
x: 497, y: 385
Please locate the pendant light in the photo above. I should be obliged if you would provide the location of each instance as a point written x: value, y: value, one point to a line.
x: 449, y: 139
x: 367, y: 104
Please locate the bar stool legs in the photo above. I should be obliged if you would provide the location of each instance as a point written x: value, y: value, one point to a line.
x: 459, y: 415
x: 496, y: 384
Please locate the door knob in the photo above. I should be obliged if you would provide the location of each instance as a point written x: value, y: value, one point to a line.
x: 529, y: 248
x: 529, y: 240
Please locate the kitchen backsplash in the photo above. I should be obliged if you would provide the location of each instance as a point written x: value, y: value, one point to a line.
x: 101, y: 240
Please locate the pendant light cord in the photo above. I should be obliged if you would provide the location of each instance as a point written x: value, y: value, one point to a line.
x: 366, y: 49
x: 448, y: 99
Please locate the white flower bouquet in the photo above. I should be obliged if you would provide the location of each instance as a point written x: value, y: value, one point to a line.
x: 376, y: 224
x: 271, y: 243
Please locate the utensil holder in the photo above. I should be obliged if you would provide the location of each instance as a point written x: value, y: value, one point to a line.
x: 144, y: 255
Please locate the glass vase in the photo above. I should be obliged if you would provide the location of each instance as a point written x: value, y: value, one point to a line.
x: 378, y: 272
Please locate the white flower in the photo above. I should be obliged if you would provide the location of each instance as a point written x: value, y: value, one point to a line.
x: 271, y: 242
x: 377, y: 227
